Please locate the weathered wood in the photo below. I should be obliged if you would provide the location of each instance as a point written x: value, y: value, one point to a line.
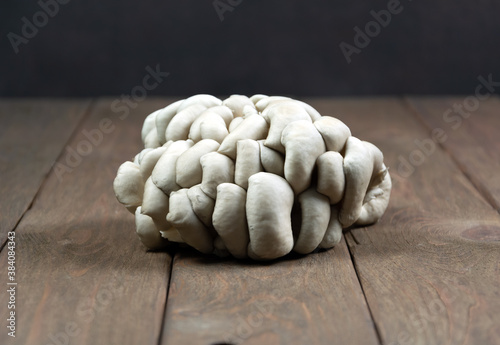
x: 472, y: 137
x: 33, y: 133
x: 430, y: 267
x: 79, y: 262
x: 314, y: 299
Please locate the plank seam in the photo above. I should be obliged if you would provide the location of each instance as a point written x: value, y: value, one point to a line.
x: 478, y: 186
x: 353, y: 260
x: 164, y: 318
x: 86, y: 111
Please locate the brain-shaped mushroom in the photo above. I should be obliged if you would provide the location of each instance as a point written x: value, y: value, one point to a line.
x: 252, y: 177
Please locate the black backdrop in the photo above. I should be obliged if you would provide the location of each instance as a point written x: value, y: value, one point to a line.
x: 102, y: 47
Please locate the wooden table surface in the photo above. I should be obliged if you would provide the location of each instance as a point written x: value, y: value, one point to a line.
x: 427, y: 273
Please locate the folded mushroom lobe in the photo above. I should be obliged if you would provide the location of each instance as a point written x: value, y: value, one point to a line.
x: 217, y: 168
x: 188, y: 167
x: 358, y: 168
x: 334, y: 132
x: 189, y: 226
x: 247, y: 161
x: 279, y: 116
x: 303, y: 146
x: 331, y: 179
x: 163, y: 118
x: 333, y: 232
x: 178, y: 128
x: 164, y: 173
x: 268, y: 209
x: 147, y: 231
x: 129, y: 186
x: 315, y: 211
x: 202, y: 204
x: 229, y: 218
x: 253, y: 127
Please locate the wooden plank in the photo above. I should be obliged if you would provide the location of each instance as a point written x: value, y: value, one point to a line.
x: 83, y: 276
x: 33, y: 133
x: 472, y: 129
x: 314, y: 299
x: 430, y: 267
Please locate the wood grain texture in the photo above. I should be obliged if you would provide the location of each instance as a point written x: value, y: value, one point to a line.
x: 472, y: 128
x: 33, y: 133
x: 430, y: 267
x: 83, y: 276
x: 315, y: 299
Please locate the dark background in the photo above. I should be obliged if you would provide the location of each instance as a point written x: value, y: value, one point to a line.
x: 102, y: 47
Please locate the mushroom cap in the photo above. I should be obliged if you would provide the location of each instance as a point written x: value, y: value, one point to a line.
x: 225, y: 176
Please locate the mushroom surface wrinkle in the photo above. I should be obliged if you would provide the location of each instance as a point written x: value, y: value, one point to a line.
x: 224, y: 176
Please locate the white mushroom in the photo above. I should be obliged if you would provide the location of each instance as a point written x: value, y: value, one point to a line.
x: 247, y: 161
x: 279, y: 115
x: 315, y: 210
x: 237, y: 103
x: 306, y: 177
x: 164, y: 173
x: 178, y: 128
x: 188, y: 166
x: 129, y: 186
x: 217, y: 168
x: 229, y: 218
x: 358, y: 168
x: 207, y: 101
x: 235, y: 123
x: 313, y: 113
x: 151, y: 140
x: 249, y: 110
x: 257, y: 97
x: 264, y: 102
x: 303, y: 146
x: 183, y: 218
x: 333, y: 232
x: 202, y: 204
x: 334, y: 132
x: 149, y: 125
x: 272, y: 161
x: 149, y: 160
x: 155, y: 204
x: 163, y: 118
x: 331, y: 179
x: 138, y: 157
x: 146, y: 229
x: 253, y: 127
x: 268, y: 208
x: 209, y: 125
x: 224, y: 112
x: 172, y: 235
x: 376, y: 201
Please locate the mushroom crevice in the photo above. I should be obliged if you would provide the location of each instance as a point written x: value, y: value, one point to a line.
x: 252, y: 177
